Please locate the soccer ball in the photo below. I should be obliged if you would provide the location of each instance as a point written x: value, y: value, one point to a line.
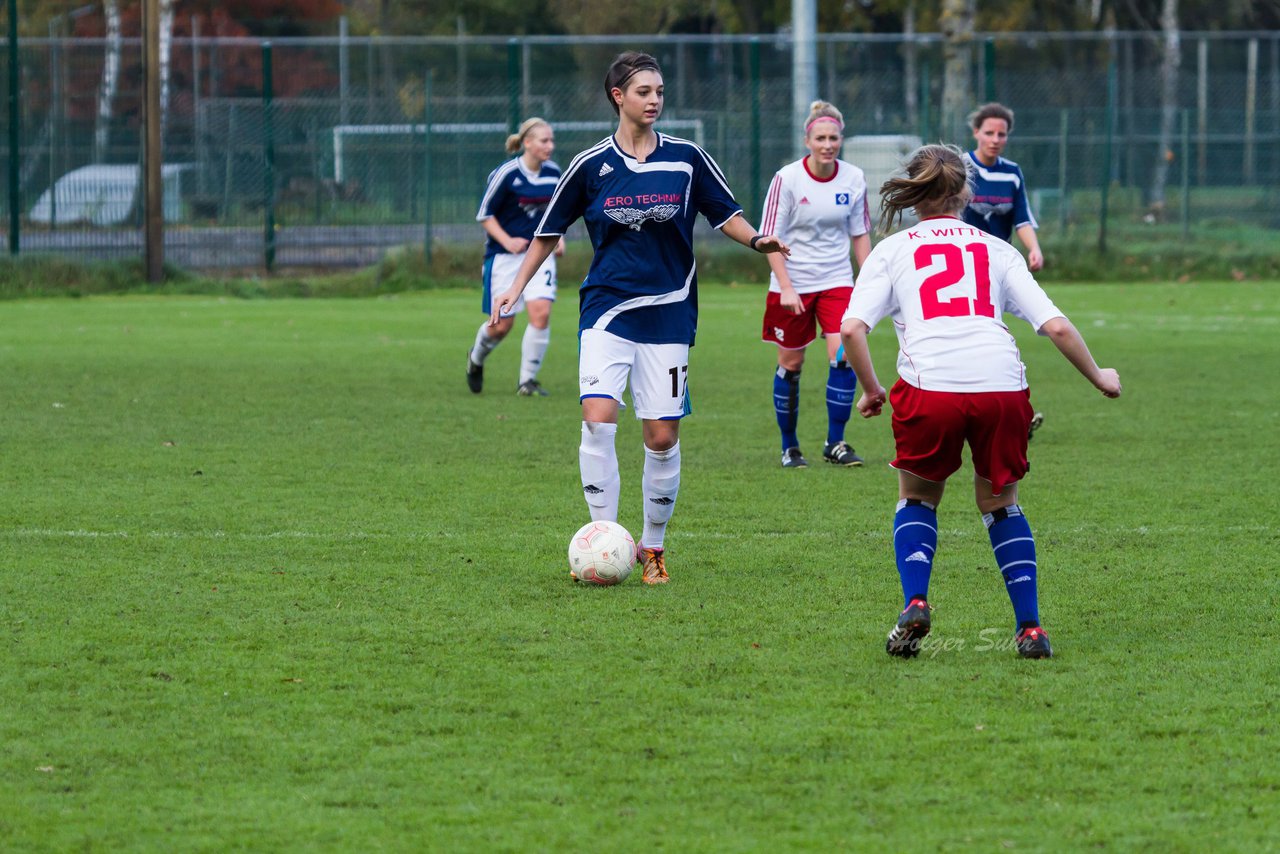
x: 602, y: 553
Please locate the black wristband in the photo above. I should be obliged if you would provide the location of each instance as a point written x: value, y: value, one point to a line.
x: 755, y: 240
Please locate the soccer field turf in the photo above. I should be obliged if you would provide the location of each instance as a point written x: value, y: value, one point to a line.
x: 272, y: 579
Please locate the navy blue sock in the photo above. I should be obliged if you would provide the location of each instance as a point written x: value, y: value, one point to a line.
x: 786, y: 404
x: 1015, y: 550
x: 841, y: 385
x: 915, y: 539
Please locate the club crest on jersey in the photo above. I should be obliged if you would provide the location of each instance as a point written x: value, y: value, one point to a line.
x: 842, y: 198
x: 605, y: 170
x: 634, y: 218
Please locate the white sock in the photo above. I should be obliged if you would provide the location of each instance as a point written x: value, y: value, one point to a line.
x: 532, y: 349
x: 484, y: 344
x: 598, y: 463
x: 660, y: 486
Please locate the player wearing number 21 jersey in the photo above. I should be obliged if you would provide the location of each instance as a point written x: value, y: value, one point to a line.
x: 944, y: 282
x: 947, y: 286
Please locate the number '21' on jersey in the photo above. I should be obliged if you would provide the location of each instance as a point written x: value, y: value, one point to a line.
x: 947, y: 286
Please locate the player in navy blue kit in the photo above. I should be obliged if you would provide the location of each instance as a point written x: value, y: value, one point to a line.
x: 999, y: 205
x: 515, y: 198
x: 639, y: 192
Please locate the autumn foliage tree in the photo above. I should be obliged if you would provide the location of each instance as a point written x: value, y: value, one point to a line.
x: 239, y: 68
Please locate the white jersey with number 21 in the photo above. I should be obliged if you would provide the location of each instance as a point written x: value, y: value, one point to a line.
x: 947, y: 286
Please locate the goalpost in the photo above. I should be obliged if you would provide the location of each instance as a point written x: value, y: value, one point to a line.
x: 341, y: 133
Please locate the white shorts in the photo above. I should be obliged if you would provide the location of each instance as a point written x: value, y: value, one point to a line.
x: 658, y: 374
x: 500, y: 274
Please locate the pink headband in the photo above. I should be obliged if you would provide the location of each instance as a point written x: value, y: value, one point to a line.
x: 839, y: 123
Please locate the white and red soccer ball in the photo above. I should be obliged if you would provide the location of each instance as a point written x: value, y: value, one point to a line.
x: 602, y: 553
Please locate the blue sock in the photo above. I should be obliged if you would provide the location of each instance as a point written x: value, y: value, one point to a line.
x: 786, y: 404
x: 915, y: 539
x: 841, y: 385
x: 1015, y: 550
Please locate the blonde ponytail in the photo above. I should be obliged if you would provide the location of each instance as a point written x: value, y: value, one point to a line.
x: 516, y: 141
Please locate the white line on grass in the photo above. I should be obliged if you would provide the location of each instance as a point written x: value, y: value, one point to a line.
x: 1044, y: 531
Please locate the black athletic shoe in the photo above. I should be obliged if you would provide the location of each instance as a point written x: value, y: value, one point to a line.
x: 531, y: 388
x: 793, y: 459
x: 1033, y: 643
x: 913, y: 624
x: 1037, y: 421
x: 840, y: 454
x: 475, y: 375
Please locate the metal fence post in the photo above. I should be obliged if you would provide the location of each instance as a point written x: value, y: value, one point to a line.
x: 15, y: 135
x: 269, y: 152
x: 1250, y: 109
x: 152, y: 144
x: 513, y: 85
x: 1186, y: 174
x: 989, y: 70
x: 754, y: 63
x: 1108, y: 168
x: 426, y: 165
x: 1063, y: 148
x: 1202, y: 109
x: 924, y: 100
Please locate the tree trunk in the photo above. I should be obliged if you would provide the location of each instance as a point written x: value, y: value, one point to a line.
x: 110, y: 82
x: 956, y: 23
x: 1169, y: 64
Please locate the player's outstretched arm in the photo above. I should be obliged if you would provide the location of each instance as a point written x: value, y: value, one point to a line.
x: 1035, y: 258
x: 1069, y: 342
x: 538, y: 252
x: 740, y: 230
x: 853, y: 334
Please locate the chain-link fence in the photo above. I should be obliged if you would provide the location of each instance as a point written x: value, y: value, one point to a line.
x: 358, y: 144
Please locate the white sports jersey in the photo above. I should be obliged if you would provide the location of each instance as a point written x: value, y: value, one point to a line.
x: 947, y: 285
x: 816, y: 217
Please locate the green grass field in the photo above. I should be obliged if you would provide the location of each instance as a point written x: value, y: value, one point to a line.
x: 271, y: 579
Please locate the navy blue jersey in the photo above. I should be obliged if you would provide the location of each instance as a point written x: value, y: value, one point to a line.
x: 517, y: 198
x: 999, y: 204
x: 642, y: 284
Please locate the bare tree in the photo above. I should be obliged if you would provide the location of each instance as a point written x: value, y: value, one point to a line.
x: 166, y: 48
x: 956, y: 24
x: 110, y: 82
x: 1170, y: 61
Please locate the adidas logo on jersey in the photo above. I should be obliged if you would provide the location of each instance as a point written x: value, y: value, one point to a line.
x: 605, y: 170
x: 804, y: 200
x: 919, y: 557
x: 517, y: 182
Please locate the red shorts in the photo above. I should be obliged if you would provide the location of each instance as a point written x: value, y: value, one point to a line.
x: 931, y: 427
x: 797, y: 331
